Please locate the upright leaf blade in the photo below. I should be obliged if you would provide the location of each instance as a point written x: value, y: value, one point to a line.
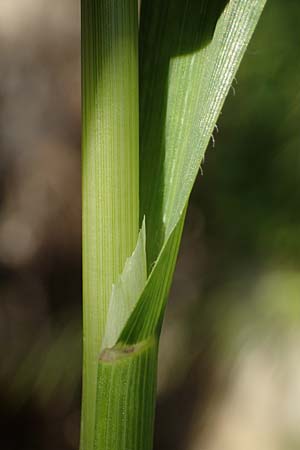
x: 190, y: 52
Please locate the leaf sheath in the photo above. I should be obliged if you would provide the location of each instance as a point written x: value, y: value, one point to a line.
x: 126, y: 397
x: 110, y: 171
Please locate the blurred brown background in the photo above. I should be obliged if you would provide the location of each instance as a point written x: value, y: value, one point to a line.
x: 230, y: 362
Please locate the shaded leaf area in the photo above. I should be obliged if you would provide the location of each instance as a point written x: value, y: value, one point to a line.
x: 167, y: 31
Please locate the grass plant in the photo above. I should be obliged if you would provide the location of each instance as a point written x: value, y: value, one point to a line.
x: 152, y: 90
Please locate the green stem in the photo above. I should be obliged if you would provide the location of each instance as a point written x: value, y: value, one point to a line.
x: 126, y: 397
x: 110, y: 171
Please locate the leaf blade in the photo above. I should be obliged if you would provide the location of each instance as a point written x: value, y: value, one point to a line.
x: 198, y: 82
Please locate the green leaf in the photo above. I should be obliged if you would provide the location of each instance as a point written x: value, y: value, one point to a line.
x: 190, y: 51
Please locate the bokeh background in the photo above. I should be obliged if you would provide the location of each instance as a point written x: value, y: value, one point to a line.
x: 229, y: 376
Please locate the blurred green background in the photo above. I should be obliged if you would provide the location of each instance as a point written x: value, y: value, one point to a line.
x: 229, y: 376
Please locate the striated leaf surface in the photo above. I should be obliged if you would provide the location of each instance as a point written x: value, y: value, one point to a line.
x: 190, y: 51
